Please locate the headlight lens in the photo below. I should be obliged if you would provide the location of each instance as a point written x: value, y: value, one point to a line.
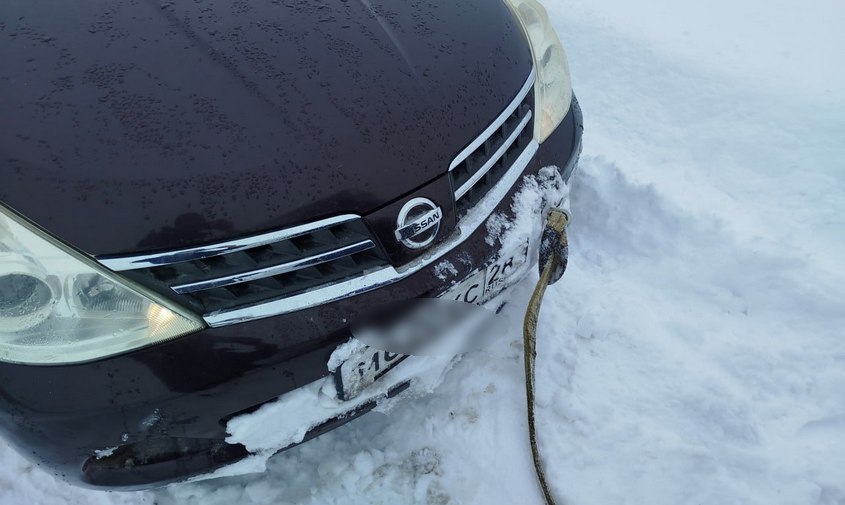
x: 58, y: 306
x: 553, y: 88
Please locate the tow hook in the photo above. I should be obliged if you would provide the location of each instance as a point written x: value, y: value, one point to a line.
x: 554, y: 245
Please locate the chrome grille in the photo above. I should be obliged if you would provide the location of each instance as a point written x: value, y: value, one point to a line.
x: 478, y: 167
x: 259, y: 269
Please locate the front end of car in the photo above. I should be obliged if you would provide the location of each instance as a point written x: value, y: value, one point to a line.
x: 122, y: 369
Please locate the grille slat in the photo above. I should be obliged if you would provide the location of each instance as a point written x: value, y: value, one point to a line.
x: 503, y: 144
x: 482, y: 164
x: 243, y: 276
x: 473, y: 177
x: 326, y: 256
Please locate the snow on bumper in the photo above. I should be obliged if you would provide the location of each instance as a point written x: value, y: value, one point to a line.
x: 288, y: 420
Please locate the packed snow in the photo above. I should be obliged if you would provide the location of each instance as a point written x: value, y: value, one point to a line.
x: 694, y: 351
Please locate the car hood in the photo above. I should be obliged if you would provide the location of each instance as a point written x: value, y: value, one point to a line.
x: 130, y: 126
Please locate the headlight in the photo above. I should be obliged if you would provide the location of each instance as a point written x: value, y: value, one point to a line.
x: 553, y: 88
x: 58, y: 306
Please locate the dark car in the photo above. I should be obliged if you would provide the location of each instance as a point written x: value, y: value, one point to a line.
x: 197, y: 198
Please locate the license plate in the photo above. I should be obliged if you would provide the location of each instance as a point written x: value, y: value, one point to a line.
x: 363, y: 369
x: 369, y: 365
x: 483, y: 284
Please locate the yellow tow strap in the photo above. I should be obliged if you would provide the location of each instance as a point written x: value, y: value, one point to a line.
x: 555, y: 254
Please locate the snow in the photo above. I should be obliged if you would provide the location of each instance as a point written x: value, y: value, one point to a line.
x: 105, y: 453
x: 22, y: 483
x: 272, y: 427
x: 693, y: 352
x: 444, y: 269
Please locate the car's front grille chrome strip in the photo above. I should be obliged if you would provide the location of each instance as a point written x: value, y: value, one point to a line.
x: 122, y: 263
x: 275, y: 270
x: 488, y: 157
x: 496, y: 124
x: 461, y: 191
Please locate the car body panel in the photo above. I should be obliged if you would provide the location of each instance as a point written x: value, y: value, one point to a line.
x: 171, y: 124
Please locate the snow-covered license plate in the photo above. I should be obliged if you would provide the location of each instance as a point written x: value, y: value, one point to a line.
x: 368, y: 365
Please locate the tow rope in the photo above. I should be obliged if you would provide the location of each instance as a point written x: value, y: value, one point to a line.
x: 554, y: 255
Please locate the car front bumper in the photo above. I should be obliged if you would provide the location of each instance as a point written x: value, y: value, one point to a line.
x: 159, y: 414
